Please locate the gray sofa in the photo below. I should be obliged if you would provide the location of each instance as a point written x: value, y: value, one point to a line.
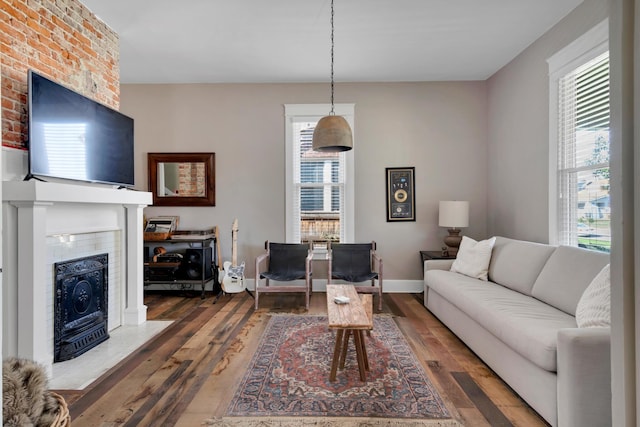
x: 522, y: 324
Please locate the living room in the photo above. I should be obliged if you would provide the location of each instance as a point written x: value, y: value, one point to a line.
x: 484, y: 141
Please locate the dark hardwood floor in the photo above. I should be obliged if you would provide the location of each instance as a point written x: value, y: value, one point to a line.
x: 187, y: 374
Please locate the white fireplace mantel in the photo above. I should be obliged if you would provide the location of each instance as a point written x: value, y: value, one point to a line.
x: 42, y: 209
x: 38, y: 191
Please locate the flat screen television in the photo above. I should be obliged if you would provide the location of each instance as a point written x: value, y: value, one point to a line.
x: 73, y: 137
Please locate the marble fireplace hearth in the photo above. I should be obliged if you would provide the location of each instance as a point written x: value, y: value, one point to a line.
x: 78, y: 373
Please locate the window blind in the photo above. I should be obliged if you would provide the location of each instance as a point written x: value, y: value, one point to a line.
x: 583, y: 155
x: 319, y: 189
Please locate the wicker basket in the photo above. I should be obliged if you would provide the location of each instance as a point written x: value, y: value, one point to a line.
x: 63, y: 419
x: 156, y: 236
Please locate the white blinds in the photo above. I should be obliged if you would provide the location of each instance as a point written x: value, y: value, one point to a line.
x: 583, y: 155
x: 318, y: 188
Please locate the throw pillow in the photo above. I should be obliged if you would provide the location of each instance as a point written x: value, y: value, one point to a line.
x: 474, y: 257
x: 594, y: 306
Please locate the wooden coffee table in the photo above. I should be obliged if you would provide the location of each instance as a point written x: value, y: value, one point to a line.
x: 350, y: 319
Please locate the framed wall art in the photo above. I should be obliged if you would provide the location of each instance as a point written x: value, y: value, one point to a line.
x: 401, y: 194
x: 182, y: 179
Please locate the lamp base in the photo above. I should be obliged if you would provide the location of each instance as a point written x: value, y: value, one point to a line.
x: 453, y: 241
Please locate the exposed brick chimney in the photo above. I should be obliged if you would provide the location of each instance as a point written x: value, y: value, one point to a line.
x: 62, y: 40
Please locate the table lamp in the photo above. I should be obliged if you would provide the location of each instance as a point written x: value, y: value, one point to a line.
x: 453, y: 215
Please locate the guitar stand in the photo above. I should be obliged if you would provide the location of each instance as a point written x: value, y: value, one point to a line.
x: 215, y: 300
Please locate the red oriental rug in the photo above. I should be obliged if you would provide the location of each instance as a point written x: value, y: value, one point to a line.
x: 289, y: 376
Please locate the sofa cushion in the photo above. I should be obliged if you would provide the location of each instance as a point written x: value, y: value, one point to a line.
x: 473, y: 258
x: 523, y: 323
x: 516, y: 264
x: 566, y: 275
x: 594, y: 306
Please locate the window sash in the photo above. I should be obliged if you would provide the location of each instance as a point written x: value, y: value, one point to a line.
x: 313, y: 179
x: 583, y: 155
x: 586, y: 47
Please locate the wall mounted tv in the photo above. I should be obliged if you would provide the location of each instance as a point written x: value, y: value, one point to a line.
x: 73, y: 137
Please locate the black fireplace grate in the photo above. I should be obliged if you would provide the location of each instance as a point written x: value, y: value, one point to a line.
x: 83, y: 341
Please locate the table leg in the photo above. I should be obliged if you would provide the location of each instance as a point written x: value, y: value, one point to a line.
x: 345, y: 346
x: 336, y: 355
x: 357, y: 337
x: 364, y: 350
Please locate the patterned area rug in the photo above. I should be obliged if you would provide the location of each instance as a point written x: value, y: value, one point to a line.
x: 289, y: 376
x: 325, y: 422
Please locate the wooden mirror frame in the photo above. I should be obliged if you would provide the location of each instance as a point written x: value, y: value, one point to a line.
x: 209, y: 199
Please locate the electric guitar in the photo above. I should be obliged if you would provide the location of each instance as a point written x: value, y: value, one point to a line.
x: 233, y: 281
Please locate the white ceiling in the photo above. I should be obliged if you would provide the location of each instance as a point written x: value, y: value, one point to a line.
x: 264, y: 41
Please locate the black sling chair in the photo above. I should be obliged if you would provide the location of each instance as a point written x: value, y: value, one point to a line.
x: 356, y: 263
x: 284, y: 262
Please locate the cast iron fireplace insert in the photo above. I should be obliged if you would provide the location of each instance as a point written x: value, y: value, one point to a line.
x: 80, y: 307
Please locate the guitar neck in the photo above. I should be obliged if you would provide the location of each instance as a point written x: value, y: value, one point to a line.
x: 234, y: 249
x: 234, y: 243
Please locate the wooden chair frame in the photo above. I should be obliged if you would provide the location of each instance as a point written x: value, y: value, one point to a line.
x: 263, y: 262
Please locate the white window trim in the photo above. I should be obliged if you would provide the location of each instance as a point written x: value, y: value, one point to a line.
x: 314, y: 112
x: 588, y: 46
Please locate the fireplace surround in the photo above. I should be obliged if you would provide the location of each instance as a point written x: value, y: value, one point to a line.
x: 42, y: 221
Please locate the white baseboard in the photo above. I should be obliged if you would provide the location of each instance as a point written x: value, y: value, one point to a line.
x: 389, y: 286
x: 319, y: 285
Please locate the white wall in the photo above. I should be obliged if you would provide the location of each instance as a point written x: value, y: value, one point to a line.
x: 439, y: 128
x: 518, y: 136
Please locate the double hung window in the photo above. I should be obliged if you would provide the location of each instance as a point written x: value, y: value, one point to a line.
x: 580, y: 203
x: 319, y: 186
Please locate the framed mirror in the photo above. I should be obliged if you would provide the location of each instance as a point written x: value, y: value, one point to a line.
x: 182, y: 179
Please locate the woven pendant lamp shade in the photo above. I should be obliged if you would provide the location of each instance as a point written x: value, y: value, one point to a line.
x: 332, y: 133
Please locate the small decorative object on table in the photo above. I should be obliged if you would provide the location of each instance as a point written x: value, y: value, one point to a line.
x: 341, y: 300
x: 160, y: 228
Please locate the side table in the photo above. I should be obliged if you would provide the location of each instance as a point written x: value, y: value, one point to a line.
x: 425, y: 255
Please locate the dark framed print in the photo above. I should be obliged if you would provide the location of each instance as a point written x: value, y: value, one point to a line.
x: 401, y: 194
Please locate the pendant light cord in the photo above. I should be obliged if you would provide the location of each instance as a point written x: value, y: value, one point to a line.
x: 332, y: 111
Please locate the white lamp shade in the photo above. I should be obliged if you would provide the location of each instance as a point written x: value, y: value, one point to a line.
x: 454, y: 214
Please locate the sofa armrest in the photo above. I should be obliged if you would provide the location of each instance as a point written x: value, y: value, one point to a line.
x: 584, y: 377
x: 434, y: 264
x: 437, y: 264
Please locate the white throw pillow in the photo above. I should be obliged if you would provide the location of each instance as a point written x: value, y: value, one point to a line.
x: 594, y: 306
x: 474, y: 257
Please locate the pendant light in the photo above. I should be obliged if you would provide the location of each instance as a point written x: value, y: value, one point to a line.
x: 332, y: 133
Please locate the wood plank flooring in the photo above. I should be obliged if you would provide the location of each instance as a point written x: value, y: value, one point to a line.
x: 188, y: 373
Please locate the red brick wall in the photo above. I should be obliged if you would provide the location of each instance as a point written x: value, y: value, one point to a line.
x: 60, y: 39
x: 192, y: 180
